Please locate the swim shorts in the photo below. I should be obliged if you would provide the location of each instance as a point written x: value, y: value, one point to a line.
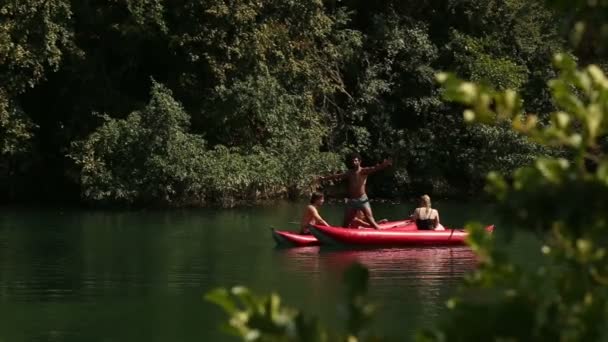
x: 358, y: 203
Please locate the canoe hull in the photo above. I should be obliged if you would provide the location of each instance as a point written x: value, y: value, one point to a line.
x: 284, y: 238
x: 388, y: 238
x: 289, y: 239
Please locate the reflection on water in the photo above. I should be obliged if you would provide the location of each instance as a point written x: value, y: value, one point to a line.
x: 140, y: 276
x: 407, y: 283
x: 425, y: 264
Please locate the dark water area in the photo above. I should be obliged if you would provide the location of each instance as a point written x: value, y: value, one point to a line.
x: 75, y: 275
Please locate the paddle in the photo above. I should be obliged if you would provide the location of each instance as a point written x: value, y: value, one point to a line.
x: 452, y: 233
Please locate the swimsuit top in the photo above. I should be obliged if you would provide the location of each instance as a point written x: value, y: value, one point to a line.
x: 425, y: 224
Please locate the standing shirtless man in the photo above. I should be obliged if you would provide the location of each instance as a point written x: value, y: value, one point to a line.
x: 357, y: 179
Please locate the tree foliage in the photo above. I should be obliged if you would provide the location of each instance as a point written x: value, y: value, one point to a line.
x: 274, y: 79
x: 565, y: 298
x: 149, y: 157
x: 34, y: 37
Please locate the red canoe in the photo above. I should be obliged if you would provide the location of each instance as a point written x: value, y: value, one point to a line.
x: 290, y: 239
x: 393, y: 237
x: 286, y: 238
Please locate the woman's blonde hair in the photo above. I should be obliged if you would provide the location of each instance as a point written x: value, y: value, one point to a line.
x: 425, y: 200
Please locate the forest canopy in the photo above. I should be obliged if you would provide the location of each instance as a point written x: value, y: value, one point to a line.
x: 217, y: 102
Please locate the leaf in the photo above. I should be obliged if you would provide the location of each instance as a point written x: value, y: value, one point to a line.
x: 221, y: 297
x: 594, y: 120
x: 602, y: 172
x: 552, y: 170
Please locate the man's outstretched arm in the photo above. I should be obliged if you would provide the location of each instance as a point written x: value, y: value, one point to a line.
x: 381, y: 166
x: 336, y: 176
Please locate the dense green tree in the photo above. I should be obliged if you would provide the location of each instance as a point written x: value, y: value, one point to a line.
x: 276, y: 79
x: 35, y: 36
x: 396, y: 106
x: 148, y: 156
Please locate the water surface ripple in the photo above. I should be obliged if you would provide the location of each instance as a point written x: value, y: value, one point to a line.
x: 72, y: 275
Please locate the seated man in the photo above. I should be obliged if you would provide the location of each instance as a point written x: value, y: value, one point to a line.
x: 311, y: 214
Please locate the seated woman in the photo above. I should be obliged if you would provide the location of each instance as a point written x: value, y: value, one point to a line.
x: 360, y: 221
x: 311, y: 213
x: 426, y: 217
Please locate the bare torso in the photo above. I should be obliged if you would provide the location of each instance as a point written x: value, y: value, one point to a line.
x: 308, y: 218
x: 356, y: 183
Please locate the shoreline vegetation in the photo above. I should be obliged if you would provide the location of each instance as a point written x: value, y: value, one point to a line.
x: 197, y: 103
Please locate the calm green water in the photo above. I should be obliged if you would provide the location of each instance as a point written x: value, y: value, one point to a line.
x: 72, y: 275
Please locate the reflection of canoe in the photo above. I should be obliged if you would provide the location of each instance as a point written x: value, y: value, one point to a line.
x: 424, y: 261
x: 432, y: 263
x: 286, y: 238
x: 370, y: 237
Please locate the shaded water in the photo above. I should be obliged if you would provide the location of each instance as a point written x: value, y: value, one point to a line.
x: 73, y: 275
